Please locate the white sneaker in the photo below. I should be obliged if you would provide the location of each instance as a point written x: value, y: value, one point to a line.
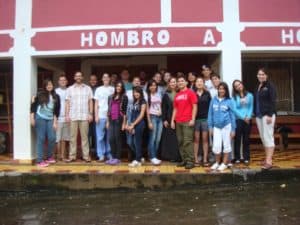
x: 134, y: 163
x: 142, y: 160
x: 222, y: 167
x: 155, y: 161
x: 215, y: 166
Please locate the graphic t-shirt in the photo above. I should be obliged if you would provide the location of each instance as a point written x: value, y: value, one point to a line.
x: 183, y: 102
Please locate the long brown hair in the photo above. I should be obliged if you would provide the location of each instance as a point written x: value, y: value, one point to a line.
x: 43, y: 95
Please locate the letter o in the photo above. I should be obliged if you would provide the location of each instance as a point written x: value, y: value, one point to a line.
x: 163, y: 37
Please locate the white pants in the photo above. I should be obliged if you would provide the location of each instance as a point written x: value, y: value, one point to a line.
x: 222, y: 136
x: 266, y: 131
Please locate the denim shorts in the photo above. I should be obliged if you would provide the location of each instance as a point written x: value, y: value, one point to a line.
x: 201, y: 125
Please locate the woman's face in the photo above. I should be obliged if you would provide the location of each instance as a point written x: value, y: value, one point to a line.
x: 49, y: 86
x: 136, y: 95
x: 153, y: 87
x: 238, y: 86
x: 172, y: 84
x: 119, y: 88
x: 221, y: 91
x: 199, y: 84
x: 191, y: 78
x: 261, y: 76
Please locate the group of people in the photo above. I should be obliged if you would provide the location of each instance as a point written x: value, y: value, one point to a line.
x: 181, y: 115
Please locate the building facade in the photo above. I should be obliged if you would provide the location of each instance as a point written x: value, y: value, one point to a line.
x: 236, y: 36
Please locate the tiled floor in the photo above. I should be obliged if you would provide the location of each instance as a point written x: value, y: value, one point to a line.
x: 287, y: 159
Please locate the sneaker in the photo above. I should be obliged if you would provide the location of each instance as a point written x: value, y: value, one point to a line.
x: 222, y: 167
x: 101, y: 159
x: 115, y: 162
x: 189, y: 166
x: 50, y: 160
x: 155, y: 161
x: 42, y: 164
x: 215, y: 166
x: 109, y: 161
x: 246, y: 162
x: 237, y: 161
x: 134, y: 163
x: 142, y: 160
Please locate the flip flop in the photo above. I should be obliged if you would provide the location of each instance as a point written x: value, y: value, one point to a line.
x: 267, y: 166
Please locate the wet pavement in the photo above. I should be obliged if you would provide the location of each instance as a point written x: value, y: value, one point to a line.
x: 259, y: 204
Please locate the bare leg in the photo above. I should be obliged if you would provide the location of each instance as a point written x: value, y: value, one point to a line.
x: 196, y: 145
x: 205, y: 146
x: 218, y: 158
x: 225, y: 158
x: 269, y: 155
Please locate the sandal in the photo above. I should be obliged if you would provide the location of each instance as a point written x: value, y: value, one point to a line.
x: 267, y: 166
x: 197, y: 164
x: 206, y: 164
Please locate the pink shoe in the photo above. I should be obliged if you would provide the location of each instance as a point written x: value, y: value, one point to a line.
x: 42, y: 164
x: 50, y: 160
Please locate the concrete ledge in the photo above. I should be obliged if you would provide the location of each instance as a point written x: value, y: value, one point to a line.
x: 14, y: 181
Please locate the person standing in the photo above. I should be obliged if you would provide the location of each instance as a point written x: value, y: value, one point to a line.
x: 243, y: 101
x: 221, y: 124
x: 206, y: 73
x: 137, y: 125
x: 154, y: 120
x: 201, y: 126
x: 169, y: 142
x: 116, y: 123
x: 216, y: 80
x: 44, y: 112
x: 265, y: 113
x: 79, y: 112
x: 125, y: 77
x: 101, y: 108
x: 184, y: 114
x: 63, y: 128
x: 93, y: 82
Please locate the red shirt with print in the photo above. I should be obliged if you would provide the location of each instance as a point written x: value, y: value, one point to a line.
x: 183, y: 102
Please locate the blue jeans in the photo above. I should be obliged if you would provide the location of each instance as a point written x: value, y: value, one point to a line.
x: 137, y: 140
x: 44, y: 129
x: 154, y: 136
x: 103, y: 147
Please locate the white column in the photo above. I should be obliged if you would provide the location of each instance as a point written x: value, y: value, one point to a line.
x: 25, y: 82
x: 166, y: 12
x: 231, y: 61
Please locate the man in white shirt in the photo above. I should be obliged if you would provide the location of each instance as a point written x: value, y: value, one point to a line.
x: 101, y: 107
x: 79, y: 112
x: 63, y: 128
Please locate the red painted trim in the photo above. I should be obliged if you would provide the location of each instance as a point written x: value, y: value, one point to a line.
x: 269, y: 10
x: 7, y: 14
x: 6, y: 42
x: 197, y: 11
x: 271, y: 36
x: 94, y: 12
x: 71, y: 40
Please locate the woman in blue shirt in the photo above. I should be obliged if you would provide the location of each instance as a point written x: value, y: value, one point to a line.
x: 243, y: 103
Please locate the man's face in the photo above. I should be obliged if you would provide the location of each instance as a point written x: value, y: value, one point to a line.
x: 78, y: 77
x: 125, y: 75
x: 136, y: 82
x: 93, y: 81
x: 62, y: 82
x: 181, y: 82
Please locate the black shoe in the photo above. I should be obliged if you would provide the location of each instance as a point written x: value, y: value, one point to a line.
x: 181, y: 164
x: 189, y: 166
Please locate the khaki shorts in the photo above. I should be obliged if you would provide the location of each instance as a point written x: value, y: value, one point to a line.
x: 63, y: 132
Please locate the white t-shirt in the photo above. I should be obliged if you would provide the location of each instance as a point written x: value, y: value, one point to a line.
x: 62, y: 93
x: 213, y: 92
x: 209, y: 85
x: 102, y: 93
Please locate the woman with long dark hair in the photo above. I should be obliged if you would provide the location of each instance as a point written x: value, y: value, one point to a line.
x: 154, y: 120
x: 169, y: 142
x: 137, y: 125
x: 43, y: 116
x: 265, y: 112
x: 221, y: 123
x: 116, y: 123
x: 201, y: 126
x: 243, y: 101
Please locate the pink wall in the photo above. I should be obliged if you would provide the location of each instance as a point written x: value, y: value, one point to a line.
x: 7, y: 14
